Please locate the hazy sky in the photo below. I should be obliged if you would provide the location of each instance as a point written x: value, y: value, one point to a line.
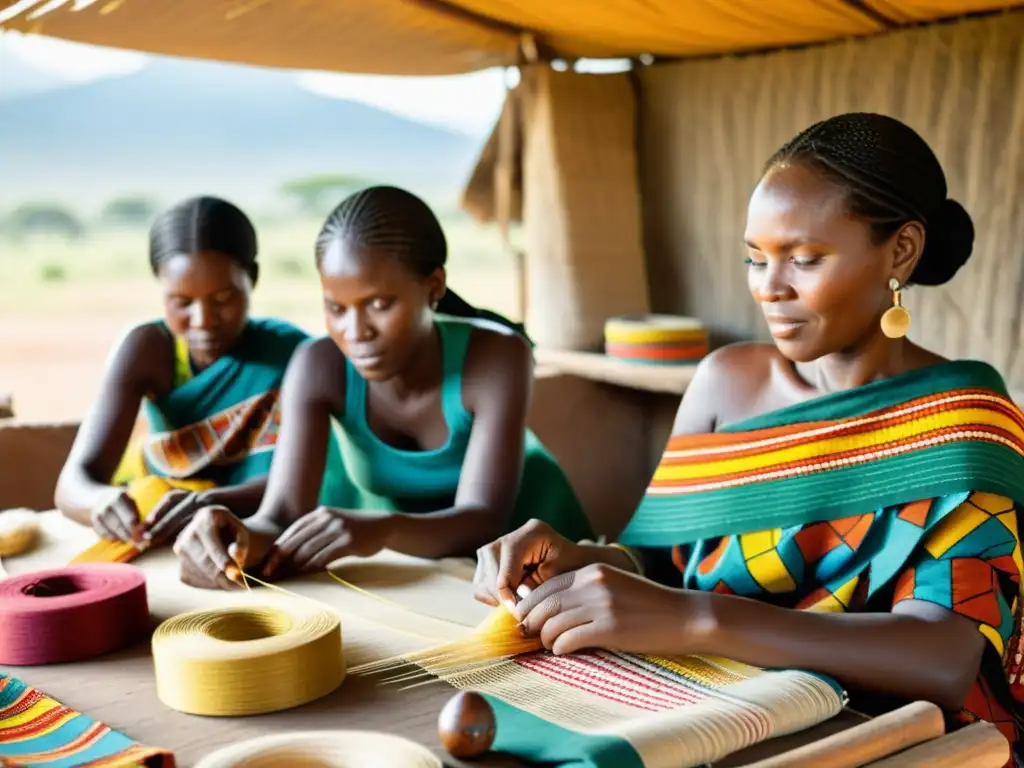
x: 468, y: 103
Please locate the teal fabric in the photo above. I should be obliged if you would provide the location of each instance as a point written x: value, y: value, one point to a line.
x: 254, y: 366
x: 545, y: 744
x: 375, y: 475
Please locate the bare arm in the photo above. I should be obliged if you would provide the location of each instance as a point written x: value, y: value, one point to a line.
x: 497, y: 386
x: 140, y: 365
x: 297, y: 470
x: 243, y: 500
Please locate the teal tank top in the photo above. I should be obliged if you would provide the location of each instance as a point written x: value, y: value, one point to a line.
x: 382, y: 470
x: 370, y: 474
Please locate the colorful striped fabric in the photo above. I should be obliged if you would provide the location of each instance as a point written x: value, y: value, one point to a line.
x: 38, y: 731
x: 944, y: 430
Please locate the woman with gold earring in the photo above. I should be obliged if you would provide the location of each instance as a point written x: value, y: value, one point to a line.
x: 841, y: 500
x: 896, y: 320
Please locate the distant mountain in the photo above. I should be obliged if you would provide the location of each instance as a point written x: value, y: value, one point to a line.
x: 180, y: 127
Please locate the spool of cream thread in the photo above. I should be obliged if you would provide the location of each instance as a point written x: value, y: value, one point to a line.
x: 247, y: 660
x: 323, y: 749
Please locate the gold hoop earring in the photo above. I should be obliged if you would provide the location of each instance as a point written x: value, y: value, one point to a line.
x: 896, y: 320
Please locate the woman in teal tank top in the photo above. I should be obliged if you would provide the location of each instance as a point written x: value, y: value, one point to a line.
x: 427, y: 398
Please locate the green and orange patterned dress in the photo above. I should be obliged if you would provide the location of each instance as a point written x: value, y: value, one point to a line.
x: 907, y: 489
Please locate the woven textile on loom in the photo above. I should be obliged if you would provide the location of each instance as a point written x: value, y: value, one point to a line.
x: 605, y: 709
x: 38, y: 731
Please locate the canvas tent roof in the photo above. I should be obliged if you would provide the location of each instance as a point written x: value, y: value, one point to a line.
x: 408, y: 37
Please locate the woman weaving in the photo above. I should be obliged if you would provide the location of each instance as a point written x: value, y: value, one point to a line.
x: 843, y: 471
x: 207, y: 376
x: 429, y: 396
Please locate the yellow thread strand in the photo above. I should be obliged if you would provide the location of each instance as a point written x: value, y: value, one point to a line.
x: 249, y: 577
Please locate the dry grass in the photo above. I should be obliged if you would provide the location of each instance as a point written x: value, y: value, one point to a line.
x: 64, y: 304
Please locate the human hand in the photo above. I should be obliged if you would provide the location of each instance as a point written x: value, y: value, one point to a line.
x: 600, y: 606
x: 322, y: 536
x: 215, y: 546
x: 527, y: 557
x: 172, y: 513
x: 116, y: 517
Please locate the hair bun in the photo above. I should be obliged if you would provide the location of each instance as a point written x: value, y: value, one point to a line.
x: 948, y: 244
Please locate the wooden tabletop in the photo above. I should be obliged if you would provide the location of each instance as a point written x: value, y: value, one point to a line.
x: 119, y: 689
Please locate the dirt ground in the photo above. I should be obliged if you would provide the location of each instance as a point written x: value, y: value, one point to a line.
x: 53, y: 347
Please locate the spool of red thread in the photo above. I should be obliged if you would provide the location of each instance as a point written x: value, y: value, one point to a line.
x: 72, y: 613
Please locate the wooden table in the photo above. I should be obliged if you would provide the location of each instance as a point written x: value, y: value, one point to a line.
x: 120, y: 691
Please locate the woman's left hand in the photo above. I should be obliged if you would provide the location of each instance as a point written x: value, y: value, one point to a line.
x: 603, y: 607
x: 316, y: 539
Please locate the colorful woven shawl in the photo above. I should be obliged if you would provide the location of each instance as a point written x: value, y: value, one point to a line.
x: 38, y: 731
x: 947, y: 430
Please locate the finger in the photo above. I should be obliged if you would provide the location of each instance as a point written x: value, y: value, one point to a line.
x: 169, y: 517
x: 114, y: 525
x: 556, y: 626
x: 218, y: 577
x: 587, y: 635
x: 296, y: 536
x: 333, y: 548
x: 128, y: 515
x: 167, y: 502
x: 211, y: 539
x: 484, y: 596
x: 513, y: 552
x: 550, y: 589
x: 485, y: 576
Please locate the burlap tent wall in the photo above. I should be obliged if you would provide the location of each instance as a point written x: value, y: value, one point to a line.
x: 707, y: 127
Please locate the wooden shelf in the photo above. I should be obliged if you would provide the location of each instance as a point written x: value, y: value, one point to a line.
x: 597, y: 367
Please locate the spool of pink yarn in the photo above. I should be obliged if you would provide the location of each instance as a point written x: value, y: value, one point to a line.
x: 72, y: 613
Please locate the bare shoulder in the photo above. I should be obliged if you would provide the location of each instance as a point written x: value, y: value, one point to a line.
x: 726, y: 382
x: 496, y: 362
x: 317, y: 371
x: 143, y: 358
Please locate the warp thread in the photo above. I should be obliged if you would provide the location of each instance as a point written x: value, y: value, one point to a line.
x: 323, y: 749
x: 71, y: 613
x: 655, y: 339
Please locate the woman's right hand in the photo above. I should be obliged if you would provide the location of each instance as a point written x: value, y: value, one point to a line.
x: 116, y: 517
x: 215, y: 546
x: 525, y: 558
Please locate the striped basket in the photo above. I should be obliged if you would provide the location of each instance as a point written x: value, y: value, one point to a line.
x: 655, y: 339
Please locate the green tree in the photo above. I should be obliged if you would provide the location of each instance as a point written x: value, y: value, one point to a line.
x: 316, y: 195
x: 129, y: 211
x: 44, y: 218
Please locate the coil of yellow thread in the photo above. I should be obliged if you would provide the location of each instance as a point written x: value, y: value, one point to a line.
x: 19, y: 531
x: 655, y: 339
x: 323, y: 749
x: 247, y: 660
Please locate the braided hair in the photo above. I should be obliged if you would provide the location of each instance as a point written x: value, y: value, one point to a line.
x: 891, y: 177
x: 204, y: 224
x: 397, y: 222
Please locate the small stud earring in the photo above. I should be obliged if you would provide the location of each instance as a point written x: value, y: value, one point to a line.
x: 896, y: 320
